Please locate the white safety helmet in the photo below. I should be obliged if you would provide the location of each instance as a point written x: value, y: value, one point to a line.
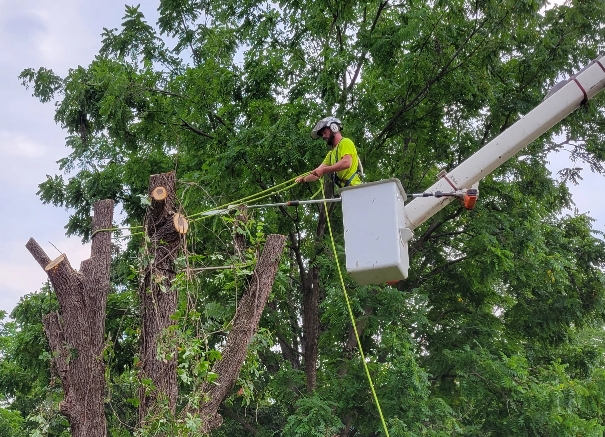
x: 333, y: 123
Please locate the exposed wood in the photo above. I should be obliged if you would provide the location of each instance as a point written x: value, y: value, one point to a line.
x: 180, y: 223
x: 245, y: 325
x: 76, y: 333
x: 54, y: 263
x: 158, y: 301
x: 159, y: 193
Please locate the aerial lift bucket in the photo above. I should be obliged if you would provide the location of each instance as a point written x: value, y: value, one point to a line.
x: 375, y: 232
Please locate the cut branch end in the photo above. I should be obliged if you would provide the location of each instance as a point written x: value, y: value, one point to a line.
x: 159, y: 193
x: 180, y: 223
x: 54, y: 263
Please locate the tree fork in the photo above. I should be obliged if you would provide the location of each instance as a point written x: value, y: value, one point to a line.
x: 76, y: 333
x: 245, y: 325
x: 158, y: 299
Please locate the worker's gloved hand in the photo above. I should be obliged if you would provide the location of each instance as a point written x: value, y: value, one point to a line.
x: 313, y: 176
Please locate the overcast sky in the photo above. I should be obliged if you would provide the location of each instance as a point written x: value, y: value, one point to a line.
x: 62, y: 34
x: 58, y: 34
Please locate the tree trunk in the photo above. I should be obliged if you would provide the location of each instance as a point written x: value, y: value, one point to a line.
x: 310, y: 320
x: 311, y: 300
x: 158, y: 299
x: 245, y: 325
x: 76, y: 333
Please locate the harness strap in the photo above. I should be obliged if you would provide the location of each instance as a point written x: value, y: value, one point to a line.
x: 351, y: 179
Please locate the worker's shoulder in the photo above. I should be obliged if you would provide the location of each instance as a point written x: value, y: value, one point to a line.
x: 346, y: 143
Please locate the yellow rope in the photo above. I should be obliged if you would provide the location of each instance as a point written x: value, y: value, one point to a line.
x: 269, y: 192
x: 261, y: 196
x: 348, y: 301
x: 254, y: 197
x: 118, y: 229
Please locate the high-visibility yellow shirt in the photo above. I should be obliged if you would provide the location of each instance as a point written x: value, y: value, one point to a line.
x: 344, y: 147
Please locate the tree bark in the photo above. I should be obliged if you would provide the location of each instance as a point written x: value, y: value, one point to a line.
x: 245, y: 325
x: 310, y: 320
x: 311, y: 300
x: 76, y: 333
x: 158, y: 301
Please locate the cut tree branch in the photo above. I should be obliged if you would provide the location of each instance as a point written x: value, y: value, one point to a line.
x: 245, y: 325
x: 76, y: 334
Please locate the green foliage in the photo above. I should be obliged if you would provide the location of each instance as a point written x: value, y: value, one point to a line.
x: 498, y: 329
x: 27, y: 388
x: 11, y: 423
x: 313, y: 418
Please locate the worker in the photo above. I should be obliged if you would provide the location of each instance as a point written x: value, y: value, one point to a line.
x: 341, y: 162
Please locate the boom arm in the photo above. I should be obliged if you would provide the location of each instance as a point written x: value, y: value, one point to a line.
x: 558, y: 105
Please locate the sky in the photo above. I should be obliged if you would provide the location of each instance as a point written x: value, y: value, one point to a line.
x: 63, y: 34
x: 58, y: 34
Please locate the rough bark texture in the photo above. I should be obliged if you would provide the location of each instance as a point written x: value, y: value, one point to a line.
x: 76, y: 333
x: 245, y: 325
x: 158, y: 301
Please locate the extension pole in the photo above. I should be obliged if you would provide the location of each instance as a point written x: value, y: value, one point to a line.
x: 296, y: 203
x: 268, y: 205
x: 435, y: 194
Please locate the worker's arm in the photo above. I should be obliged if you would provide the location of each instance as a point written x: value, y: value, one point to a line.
x: 313, y: 176
x: 343, y: 164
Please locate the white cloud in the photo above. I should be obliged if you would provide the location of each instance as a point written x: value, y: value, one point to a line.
x: 15, y: 144
x: 18, y: 279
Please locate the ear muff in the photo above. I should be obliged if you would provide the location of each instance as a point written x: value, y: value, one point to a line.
x: 334, y: 127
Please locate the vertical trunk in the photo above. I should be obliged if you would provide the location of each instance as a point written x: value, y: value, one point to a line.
x: 76, y: 333
x: 289, y: 351
x: 310, y: 320
x: 311, y: 301
x: 158, y: 300
x: 245, y: 325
